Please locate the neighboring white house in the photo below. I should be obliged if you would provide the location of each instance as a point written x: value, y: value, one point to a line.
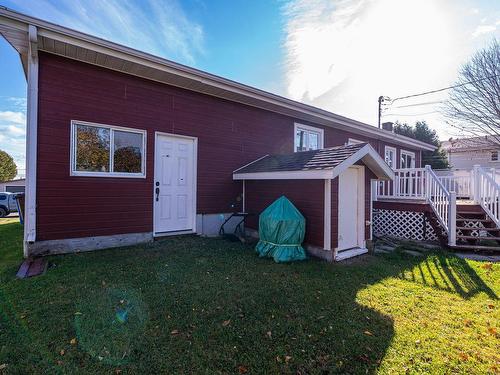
x: 464, y: 153
x: 14, y: 186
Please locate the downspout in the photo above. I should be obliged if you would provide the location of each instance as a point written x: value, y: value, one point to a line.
x: 31, y: 141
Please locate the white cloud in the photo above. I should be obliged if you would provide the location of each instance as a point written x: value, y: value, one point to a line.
x: 483, y: 29
x: 18, y: 118
x: 158, y: 27
x: 342, y: 55
x: 13, y: 135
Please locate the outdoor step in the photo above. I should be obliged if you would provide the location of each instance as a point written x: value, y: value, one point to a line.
x: 470, y: 213
x: 488, y: 220
x: 480, y: 228
x: 475, y: 247
x: 478, y: 238
x: 346, y: 254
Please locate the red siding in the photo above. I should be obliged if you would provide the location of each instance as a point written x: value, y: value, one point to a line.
x: 229, y: 136
x: 306, y: 195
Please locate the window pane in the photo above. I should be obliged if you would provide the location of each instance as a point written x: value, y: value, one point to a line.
x: 127, y: 152
x: 313, y: 141
x: 92, y: 149
x: 300, y: 140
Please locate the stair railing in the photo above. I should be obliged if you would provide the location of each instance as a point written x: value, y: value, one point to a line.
x: 443, y: 203
x: 487, y: 193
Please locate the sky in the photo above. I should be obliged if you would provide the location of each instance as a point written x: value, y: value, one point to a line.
x: 340, y: 55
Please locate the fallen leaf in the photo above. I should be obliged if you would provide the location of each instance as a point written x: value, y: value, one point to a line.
x: 72, y: 341
x: 287, y: 358
x: 278, y: 359
x: 491, y: 307
x: 269, y: 334
x: 3, y: 366
x: 487, y: 266
x: 174, y: 332
x: 62, y: 352
x: 103, y: 283
x: 242, y: 369
x: 417, y: 342
x: 492, y: 330
x: 463, y: 356
x: 225, y: 323
x: 118, y: 371
x: 467, y: 322
x: 368, y: 333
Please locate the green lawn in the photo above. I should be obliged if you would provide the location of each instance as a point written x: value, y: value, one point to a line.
x: 194, y: 305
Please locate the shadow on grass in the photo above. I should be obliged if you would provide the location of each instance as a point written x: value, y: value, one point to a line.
x: 448, y: 273
x: 196, y: 305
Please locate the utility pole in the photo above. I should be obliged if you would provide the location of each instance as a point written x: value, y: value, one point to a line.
x: 380, y: 100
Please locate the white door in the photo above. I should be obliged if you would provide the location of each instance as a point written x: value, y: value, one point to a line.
x: 351, y: 208
x: 174, y: 184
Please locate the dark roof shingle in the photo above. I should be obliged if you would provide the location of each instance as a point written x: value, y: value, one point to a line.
x: 326, y: 158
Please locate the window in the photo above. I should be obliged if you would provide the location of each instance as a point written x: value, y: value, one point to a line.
x: 3, y: 197
x: 308, y: 138
x: 494, y: 155
x: 390, y: 156
x: 407, y: 159
x: 107, y: 151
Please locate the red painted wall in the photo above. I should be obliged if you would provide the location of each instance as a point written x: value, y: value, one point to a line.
x: 306, y: 195
x: 229, y: 136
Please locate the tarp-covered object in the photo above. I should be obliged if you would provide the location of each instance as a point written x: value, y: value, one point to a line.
x: 281, y: 230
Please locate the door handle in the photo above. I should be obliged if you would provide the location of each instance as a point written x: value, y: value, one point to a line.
x: 157, y: 191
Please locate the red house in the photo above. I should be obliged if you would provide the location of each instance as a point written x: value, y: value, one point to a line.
x: 123, y: 147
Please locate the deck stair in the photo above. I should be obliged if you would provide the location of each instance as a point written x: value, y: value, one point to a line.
x: 464, y: 209
x: 475, y: 230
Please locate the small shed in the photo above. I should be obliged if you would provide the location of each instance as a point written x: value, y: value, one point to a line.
x: 330, y: 186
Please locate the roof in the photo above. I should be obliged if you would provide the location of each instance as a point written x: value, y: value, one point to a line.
x: 327, y: 158
x: 484, y: 143
x: 79, y: 46
x: 325, y: 163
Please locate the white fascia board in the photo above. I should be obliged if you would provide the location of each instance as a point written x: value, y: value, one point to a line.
x: 83, y: 40
x: 286, y: 175
x: 384, y: 171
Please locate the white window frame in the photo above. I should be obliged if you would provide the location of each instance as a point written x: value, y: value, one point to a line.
x: 309, y: 129
x: 408, y: 153
x: 353, y: 141
x: 74, y: 172
x: 497, y: 158
x: 394, y: 156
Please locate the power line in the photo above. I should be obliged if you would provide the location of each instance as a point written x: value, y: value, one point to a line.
x: 419, y: 104
x: 410, y: 115
x: 443, y: 89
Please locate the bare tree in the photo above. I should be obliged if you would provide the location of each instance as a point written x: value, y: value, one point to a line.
x: 473, y: 106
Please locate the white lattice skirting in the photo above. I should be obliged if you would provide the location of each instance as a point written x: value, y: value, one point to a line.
x: 408, y: 225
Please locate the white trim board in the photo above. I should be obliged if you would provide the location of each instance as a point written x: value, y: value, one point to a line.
x: 31, y: 141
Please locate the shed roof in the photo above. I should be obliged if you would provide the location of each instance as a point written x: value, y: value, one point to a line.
x: 321, y: 164
x: 326, y: 158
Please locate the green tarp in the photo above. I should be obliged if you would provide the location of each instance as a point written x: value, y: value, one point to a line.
x: 281, y: 230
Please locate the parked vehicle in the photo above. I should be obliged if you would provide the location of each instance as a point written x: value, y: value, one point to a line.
x: 7, y: 203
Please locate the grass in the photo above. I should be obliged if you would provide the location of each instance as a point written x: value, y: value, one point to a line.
x: 204, y: 306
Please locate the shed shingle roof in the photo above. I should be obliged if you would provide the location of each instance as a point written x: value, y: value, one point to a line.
x: 327, y: 158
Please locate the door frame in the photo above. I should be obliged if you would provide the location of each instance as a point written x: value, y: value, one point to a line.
x: 195, y: 179
x: 361, y: 242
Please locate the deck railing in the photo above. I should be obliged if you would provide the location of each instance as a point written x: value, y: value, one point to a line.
x: 423, y: 184
x: 459, y: 181
x: 487, y: 193
x: 443, y: 203
x: 407, y: 184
